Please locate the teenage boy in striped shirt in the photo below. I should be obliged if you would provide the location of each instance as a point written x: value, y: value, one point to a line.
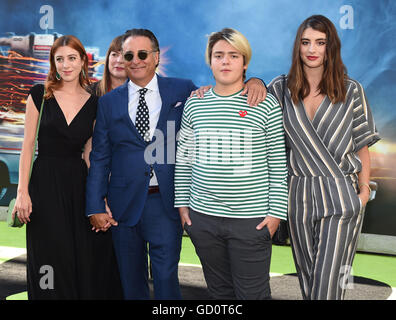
x: 231, y: 175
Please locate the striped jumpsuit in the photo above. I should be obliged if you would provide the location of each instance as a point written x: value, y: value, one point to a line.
x: 325, y: 213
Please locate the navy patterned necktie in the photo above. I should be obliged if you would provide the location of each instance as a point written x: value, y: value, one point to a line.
x: 142, y: 122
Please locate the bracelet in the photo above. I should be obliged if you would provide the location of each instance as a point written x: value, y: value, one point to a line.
x: 366, y: 185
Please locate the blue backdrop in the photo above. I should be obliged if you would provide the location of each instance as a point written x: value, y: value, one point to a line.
x: 367, y: 30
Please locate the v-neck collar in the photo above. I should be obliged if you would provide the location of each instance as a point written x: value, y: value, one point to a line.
x: 316, y: 111
x: 76, y: 115
x: 312, y: 137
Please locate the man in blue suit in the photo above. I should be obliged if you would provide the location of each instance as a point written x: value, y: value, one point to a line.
x: 132, y: 166
x: 139, y: 193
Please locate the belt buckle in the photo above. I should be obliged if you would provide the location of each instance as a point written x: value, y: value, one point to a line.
x: 153, y: 189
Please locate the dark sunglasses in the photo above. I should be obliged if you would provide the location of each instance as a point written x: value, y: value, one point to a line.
x: 142, y: 55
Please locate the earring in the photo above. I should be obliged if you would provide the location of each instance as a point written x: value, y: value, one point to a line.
x: 83, y: 73
x: 57, y: 76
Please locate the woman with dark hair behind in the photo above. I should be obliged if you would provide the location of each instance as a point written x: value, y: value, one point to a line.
x: 62, y: 250
x: 329, y: 127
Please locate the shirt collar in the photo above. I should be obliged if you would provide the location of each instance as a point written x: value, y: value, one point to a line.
x: 152, y: 85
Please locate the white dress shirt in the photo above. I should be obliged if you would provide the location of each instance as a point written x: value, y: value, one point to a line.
x: 154, y: 103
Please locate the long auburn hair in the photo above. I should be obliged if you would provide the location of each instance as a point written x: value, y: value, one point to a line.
x: 104, y: 85
x: 334, y: 73
x: 51, y: 82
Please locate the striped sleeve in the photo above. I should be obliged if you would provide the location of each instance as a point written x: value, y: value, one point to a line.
x: 277, y: 88
x: 364, y: 130
x: 277, y: 164
x: 184, y: 158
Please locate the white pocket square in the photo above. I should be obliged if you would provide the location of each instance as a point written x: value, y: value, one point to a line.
x: 178, y: 104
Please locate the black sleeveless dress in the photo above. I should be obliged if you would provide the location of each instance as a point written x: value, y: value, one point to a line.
x: 65, y: 258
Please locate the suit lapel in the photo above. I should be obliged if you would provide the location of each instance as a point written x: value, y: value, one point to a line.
x: 123, y: 102
x: 166, y: 97
x: 123, y: 96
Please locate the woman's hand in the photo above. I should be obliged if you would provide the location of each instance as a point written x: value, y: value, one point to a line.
x: 23, y: 207
x: 364, y: 195
x: 255, y: 91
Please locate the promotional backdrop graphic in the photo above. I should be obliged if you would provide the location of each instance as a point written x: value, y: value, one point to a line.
x: 367, y: 30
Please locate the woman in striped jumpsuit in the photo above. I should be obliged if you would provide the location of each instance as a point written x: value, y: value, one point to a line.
x: 329, y: 127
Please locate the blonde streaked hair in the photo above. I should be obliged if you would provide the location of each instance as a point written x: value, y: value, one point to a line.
x: 234, y: 38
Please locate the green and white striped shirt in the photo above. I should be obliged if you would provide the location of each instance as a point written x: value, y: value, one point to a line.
x: 231, y: 158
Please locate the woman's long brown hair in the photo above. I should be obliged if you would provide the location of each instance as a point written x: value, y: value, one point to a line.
x: 51, y: 82
x: 334, y: 73
x: 104, y: 85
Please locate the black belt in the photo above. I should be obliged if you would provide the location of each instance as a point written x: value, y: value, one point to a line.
x: 153, y: 189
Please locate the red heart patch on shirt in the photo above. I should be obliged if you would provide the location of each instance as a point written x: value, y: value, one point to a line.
x: 243, y: 113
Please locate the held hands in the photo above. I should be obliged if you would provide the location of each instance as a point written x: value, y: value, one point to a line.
x: 102, y: 221
x: 23, y: 207
x: 272, y: 224
x: 254, y: 89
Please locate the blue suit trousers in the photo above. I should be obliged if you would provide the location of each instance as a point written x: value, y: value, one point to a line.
x: 155, y: 235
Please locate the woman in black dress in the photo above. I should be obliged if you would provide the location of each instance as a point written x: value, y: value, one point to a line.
x: 65, y: 258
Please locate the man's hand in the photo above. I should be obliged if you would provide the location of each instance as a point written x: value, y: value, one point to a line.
x: 108, y: 209
x: 255, y: 90
x: 200, y: 91
x: 271, y: 223
x: 102, y: 222
x: 185, y: 216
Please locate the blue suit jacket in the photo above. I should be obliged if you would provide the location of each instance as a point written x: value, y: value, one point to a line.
x: 119, y: 170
